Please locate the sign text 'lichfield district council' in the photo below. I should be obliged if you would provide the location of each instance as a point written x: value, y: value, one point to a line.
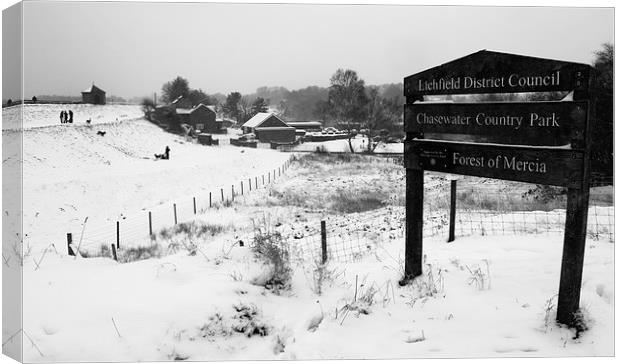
x: 537, y: 142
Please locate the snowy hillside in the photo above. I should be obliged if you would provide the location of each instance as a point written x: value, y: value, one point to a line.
x: 40, y: 115
x: 70, y: 173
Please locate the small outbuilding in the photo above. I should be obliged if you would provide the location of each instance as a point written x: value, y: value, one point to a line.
x: 93, y: 95
x: 268, y: 128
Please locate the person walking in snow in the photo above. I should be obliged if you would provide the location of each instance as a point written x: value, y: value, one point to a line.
x: 71, y: 116
x: 62, y: 116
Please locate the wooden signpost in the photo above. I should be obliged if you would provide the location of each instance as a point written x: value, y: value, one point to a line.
x: 536, y: 142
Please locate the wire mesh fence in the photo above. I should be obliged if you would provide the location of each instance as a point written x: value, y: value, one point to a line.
x: 481, y: 209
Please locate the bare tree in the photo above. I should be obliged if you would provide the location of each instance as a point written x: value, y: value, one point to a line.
x: 347, y: 99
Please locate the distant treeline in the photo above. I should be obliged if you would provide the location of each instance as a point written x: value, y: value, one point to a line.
x: 302, y: 104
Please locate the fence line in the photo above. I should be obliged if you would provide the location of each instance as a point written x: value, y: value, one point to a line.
x: 482, y: 213
x: 140, y: 229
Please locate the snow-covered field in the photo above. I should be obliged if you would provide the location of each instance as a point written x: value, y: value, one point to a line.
x: 204, y: 296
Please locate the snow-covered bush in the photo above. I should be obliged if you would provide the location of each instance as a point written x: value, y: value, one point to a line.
x: 193, y: 229
x: 132, y: 254
x: 269, y: 247
x: 249, y: 321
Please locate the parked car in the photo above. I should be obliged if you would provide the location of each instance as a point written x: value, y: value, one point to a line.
x: 247, y: 137
x: 330, y: 130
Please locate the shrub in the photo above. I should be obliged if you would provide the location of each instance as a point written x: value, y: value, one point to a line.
x: 126, y: 255
x: 269, y: 247
x: 248, y: 321
x: 193, y: 229
x: 133, y: 254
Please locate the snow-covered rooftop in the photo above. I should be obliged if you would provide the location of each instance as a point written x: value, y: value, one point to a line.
x: 92, y: 88
x: 258, y: 119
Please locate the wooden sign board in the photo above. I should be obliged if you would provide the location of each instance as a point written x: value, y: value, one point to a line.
x: 551, y: 166
x: 536, y: 123
x: 521, y: 142
x: 495, y: 72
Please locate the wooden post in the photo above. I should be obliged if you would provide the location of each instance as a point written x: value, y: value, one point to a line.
x: 263, y: 179
x: 118, y: 234
x: 194, y: 205
x: 210, y: 199
x: 452, y: 210
x: 250, y: 183
x: 69, y: 241
x: 572, y: 256
x: 232, y: 189
x: 174, y: 207
x: 222, y: 190
x: 241, y: 188
x: 269, y: 177
x: 150, y: 225
x: 279, y: 172
x: 575, y: 231
x: 323, y: 242
x: 114, y: 253
x: 256, y: 182
x: 413, y: 229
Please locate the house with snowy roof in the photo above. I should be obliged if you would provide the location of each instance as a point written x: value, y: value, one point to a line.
x: 201, y: 117
x: 93, y: 95
x: 269, y: 128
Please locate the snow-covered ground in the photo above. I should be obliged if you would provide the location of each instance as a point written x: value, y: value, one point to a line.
x: 203, y: 296
x: 182, y: 306
x: 71, y: 173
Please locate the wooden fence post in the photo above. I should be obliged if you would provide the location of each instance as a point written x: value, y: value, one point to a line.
x: 323, y: 242
x: 256, y: 182
x: 114, y: 253
x: 414, y: 209
x: 263, y: 179
x: 232, y: 189
x: 210, y: 200
x: 452, y: 210
x: 150, y: 225
x: 241, y: 188
x: 194, y: 205
x: 222, y: 190
x: 250, y: 183
x: 174, y: 207
x: 69, y: 241
x: 118, y: 234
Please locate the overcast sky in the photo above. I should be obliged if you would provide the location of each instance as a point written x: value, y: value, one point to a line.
x: 131, y: 49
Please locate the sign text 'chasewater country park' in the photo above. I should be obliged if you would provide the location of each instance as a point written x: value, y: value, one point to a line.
x: 537, y: 142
